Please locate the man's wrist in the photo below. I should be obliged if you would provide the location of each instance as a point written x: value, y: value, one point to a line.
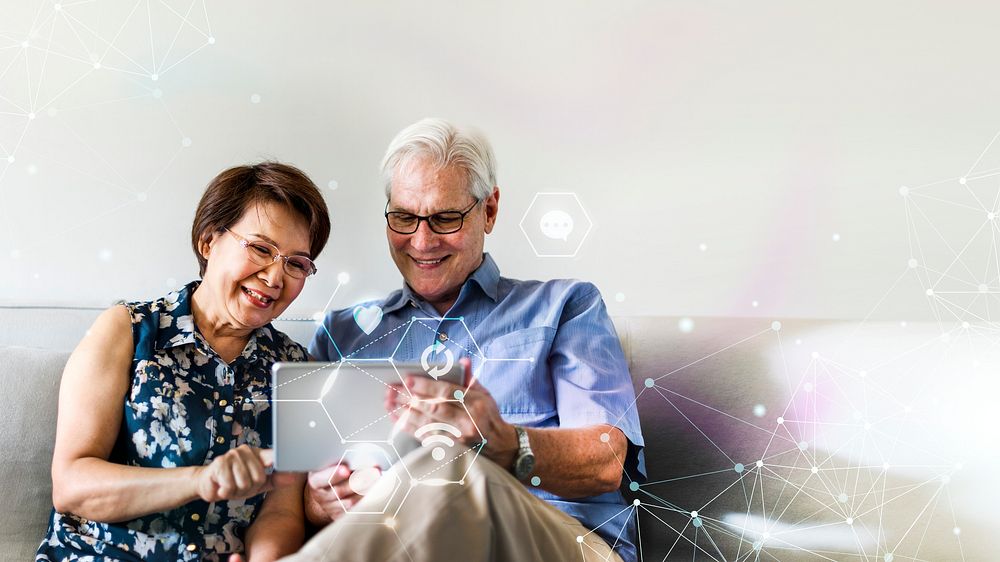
x: 505, y: 452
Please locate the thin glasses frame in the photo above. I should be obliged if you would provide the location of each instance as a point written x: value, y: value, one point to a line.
x: 260, y: 252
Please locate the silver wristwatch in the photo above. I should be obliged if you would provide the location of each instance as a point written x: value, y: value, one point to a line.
x: 524, y: 462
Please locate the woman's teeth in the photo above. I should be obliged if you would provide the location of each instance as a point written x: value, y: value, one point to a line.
x: 255, y: 295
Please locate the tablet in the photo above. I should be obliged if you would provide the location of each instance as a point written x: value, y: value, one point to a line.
x: 325, y: 413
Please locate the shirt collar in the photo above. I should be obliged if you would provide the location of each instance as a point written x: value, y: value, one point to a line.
x: 176, y: 324
x: 487, y: 276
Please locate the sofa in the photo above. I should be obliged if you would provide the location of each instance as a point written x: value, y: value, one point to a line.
x: 785, y: 440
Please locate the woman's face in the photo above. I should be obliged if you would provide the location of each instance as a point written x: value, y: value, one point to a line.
x: 245, y: 295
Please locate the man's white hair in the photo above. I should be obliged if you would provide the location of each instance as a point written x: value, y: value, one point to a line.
x: 443, y: 144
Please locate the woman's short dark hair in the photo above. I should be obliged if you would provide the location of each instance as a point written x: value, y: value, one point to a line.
x: 232, y: 192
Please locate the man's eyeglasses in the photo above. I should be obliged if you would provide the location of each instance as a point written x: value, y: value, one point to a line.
x: 263, y: 253
x: 444, y: 222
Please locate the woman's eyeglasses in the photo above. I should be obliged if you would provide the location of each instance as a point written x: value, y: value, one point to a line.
x: 264, y: 253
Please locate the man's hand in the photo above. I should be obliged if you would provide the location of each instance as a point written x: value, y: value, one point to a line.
x: 323, y: 489
x: 429, y: 400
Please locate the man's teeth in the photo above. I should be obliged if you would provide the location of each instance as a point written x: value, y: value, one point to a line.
x: 262, y: 298
x: 429, y: 262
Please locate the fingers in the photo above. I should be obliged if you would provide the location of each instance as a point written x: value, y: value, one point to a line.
x: 330, y: 475
x: 426, y: 387
x: 240, y: 473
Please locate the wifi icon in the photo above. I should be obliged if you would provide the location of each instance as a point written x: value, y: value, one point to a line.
x: 437, y: 439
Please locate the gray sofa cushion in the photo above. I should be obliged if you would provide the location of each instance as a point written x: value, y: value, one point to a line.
x: 27, y: 435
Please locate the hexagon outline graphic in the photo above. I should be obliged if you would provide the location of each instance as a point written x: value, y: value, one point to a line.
x: 590, y: 224
x: 420, y: 319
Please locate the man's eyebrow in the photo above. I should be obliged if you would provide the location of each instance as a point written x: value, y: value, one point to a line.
x: 267, y: 239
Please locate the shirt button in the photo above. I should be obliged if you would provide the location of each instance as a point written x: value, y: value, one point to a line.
x: 443, y: 337
x: 191, y: 547
x: 223, y: 402
x: 220, y: 439
x: 195, y: 517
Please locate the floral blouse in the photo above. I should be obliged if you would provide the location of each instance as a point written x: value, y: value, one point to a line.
x: 186, y: 407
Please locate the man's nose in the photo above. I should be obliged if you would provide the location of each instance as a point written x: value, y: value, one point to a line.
x: 424, y: 238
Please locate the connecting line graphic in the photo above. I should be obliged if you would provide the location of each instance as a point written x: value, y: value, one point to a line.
x: 60, y: 55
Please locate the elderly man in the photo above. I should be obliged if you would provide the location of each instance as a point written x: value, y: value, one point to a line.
x: 551, y: 405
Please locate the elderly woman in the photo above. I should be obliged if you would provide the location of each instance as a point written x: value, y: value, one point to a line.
x: 163, y: 412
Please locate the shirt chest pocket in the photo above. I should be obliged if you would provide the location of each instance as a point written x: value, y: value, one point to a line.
x: 515, y: 371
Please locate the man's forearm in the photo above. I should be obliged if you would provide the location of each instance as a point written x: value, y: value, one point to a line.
x: 578, y: 462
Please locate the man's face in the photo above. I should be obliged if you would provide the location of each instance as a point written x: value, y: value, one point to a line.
x: 436, y: 265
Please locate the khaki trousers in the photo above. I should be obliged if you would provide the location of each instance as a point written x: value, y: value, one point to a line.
x: 490, y: 516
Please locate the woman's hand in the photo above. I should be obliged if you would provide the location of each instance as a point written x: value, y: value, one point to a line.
x: 240, y: 473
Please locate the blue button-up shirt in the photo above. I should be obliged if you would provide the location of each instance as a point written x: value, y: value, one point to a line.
x: 546, y: 351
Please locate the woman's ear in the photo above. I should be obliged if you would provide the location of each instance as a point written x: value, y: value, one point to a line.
x: 205, y: 247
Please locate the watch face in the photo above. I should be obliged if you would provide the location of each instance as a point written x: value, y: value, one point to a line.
x: 525, y: 464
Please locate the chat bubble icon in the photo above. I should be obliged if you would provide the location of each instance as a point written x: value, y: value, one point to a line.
x: 557, y: 225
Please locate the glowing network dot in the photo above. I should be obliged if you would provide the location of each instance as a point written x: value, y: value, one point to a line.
x: 332, y: 185
x: 815, y: 470
x: 579, y: 539
x: 32, y: 169
x: 912, y: 263
x: 904, y: 191
x: 755, y: 304
x: 312, y: 423
x: 31, y: 116
x: 961, y: 181
x: 105, y: 255
x: 929, y: 292
x: 781, y: 420
x: 255, y: 98
x: 759, y: 410
x: 803, y: 445
x: 318, y: 317
x: 636, y: 502
x: 696, y: 522
x: 343, y: 278
x: 605, y: 438
x: 186, y: 142
x: 850, y: 521
x: 798, y: 341
x: 776, y: 326
x: 991, y: 215
x: 57, y: 7
x: 739, y: 468
x: 620, y: 297
x: 703, y: 247
x: 694, y: 514
x: 965, y: 325
x: 536, y: 481
x: 634, y: 486
x: 685, y: 325
x: 760, y: 464
x: 141, y: 196
x: 835, y: 237
x: 97, y: 66
x: 24, y: 44
x: 807, y: 387
x: 211, y: 40
x: 650, y: 383
x: 888, y: 557
x: 154, y: 77
x: 885, y: 466
x: 157, y: 93
x: 459, y: 395
x: 842, y: 498
x: 10, y: 159
x: 814, y: 355
x: 983, y: 287
x: 390, y: 522
x: 957, y: 530
x: 15, y: 254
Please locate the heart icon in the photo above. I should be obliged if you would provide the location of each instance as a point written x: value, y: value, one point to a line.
x: 367, y: 317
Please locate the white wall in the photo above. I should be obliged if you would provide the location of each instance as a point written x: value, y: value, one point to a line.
x: 760, y: 130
